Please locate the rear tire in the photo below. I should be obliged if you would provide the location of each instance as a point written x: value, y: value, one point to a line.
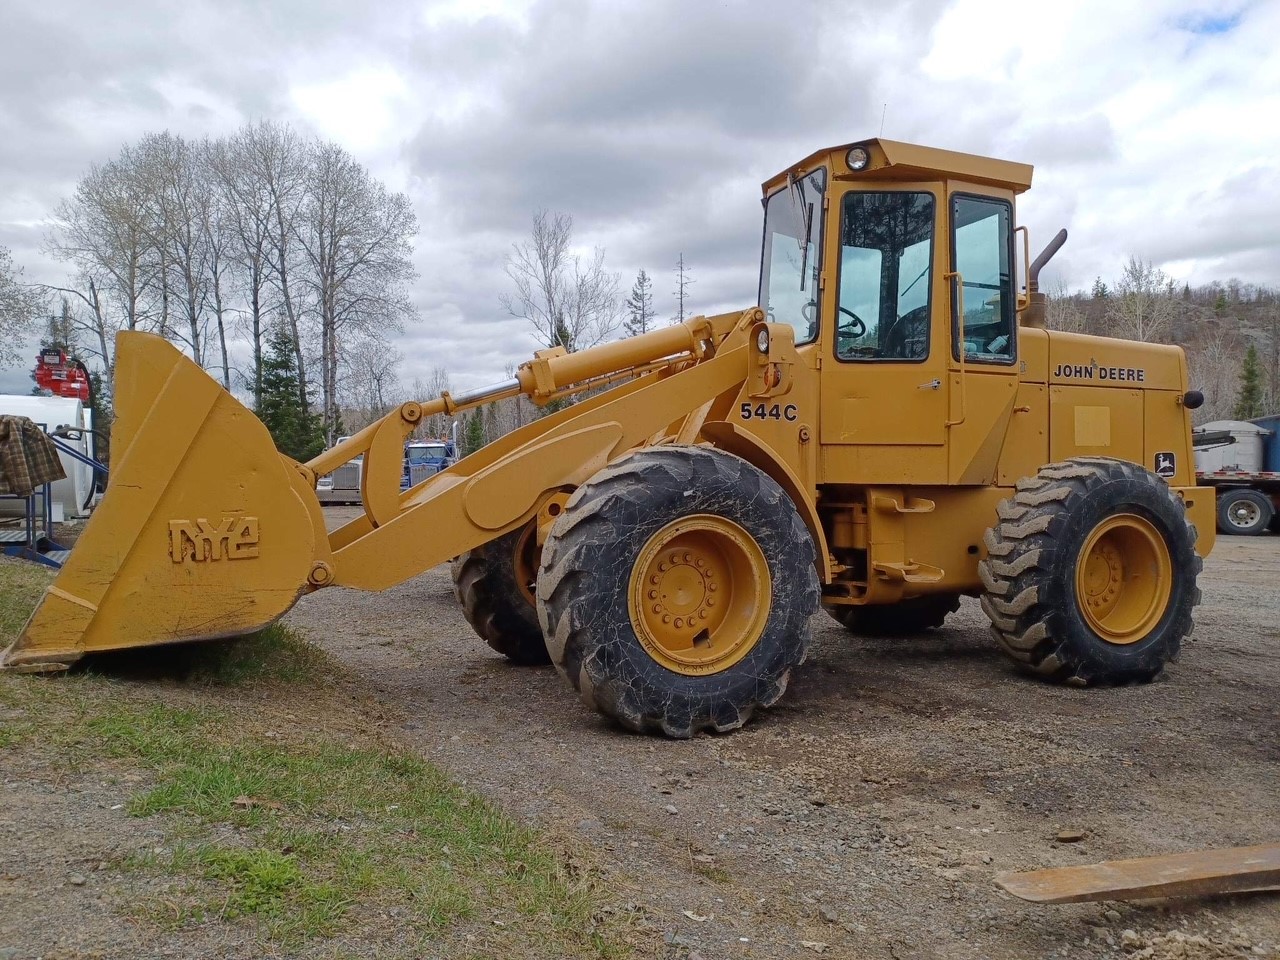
x: 1243, y: 512
x: 495, y: 601
x: 896, y: 619
x: 1090, y: 574
x: 663, y: 539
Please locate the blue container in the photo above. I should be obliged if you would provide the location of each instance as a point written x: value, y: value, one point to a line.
x: 1271, y: 443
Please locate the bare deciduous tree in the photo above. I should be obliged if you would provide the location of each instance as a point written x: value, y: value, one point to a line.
x: 438, y: 424
x: 21, y: 304
x: 1143, y: 305
x: 1214, y: 370
x: 1062, y: 312
x: 277, y: 158
x: 358, y: 240
x: 102, y: 230
x: 248, y: 215
x: 178, y: 203
x: 369, y: 386
x: 568, y: 303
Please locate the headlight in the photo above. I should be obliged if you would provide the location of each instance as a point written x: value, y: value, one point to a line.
x: 858, y: 158
x: 762, y: 340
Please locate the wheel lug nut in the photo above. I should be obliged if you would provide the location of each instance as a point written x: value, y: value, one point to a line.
x: 654, y: 578
x: 657, y: 608
x: 666, y: 618
x: 653, y: 594
x: 663, y: 566
x: 679, y: 622
x: 688, y: 557
x: 713, y: 587
x: 711, y: 601
x: 699, y: 563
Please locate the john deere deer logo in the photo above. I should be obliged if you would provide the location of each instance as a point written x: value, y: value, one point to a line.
x: 233, y: 538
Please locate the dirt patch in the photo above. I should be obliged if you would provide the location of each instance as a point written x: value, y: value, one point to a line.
x: 253, y: 799
x: 866, y: 816
x: 870, y: 811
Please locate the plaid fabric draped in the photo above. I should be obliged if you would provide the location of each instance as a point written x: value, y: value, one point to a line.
x: 28, y: 458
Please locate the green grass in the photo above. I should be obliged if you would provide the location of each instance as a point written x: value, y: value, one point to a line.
x: 21, y: 585
x: 275, y: 654
x: 334, y: 828
x: 306, y: 838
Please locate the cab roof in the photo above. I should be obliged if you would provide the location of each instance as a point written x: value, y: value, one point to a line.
x: 894, y: 160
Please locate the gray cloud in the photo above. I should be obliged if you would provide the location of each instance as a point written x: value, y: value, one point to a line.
x: 653, y: 125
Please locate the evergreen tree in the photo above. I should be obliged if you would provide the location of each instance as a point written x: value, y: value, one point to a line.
x: 1249, y: 404
x: 473, y: 437
x: 1100, y: 289
x: 298, y: 433
x: 639, y: 306
x: 100, y: 403
x: 60, y: 333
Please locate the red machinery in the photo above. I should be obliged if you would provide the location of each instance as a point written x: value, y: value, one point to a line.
x: 60, y: 376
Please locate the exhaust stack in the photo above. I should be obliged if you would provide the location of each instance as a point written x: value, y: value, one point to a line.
x: 1033, y: 314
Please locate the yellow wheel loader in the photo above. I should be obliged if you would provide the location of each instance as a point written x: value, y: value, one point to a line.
x: 890, y: 429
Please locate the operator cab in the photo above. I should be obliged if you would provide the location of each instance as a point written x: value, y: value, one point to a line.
x: 884, y: 247
x: 894, y: 263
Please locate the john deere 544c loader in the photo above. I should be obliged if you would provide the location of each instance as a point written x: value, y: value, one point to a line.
x: 891, y: 428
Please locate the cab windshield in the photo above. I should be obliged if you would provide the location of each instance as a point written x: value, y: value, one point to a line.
x: 426, y: 454
x: 792, y: 254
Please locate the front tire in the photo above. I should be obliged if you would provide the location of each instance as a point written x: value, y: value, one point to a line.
x: 1243, y: 512
x: 494, y: 584
x: 676, y: 589
x: 1090, y: 574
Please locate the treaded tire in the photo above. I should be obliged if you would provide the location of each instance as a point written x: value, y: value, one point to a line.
x: 584, y: 582
x: 484, y: 581
x: 896, y: 619
x: 1030, y: 579
x: 1227, y: 498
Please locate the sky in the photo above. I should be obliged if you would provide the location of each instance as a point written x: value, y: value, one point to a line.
x: 1152, y: 127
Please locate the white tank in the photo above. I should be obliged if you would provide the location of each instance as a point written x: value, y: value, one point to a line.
x: 74, y: 492
x: 1244, y: 454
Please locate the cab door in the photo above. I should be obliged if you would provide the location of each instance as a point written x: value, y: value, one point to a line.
x: 984, y: 376
x: 885, y: 367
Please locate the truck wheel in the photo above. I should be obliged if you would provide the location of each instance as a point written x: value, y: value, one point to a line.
x: 675, y: 591
x: 1090, y: 574
x: 1243, y: 512
x: 896, y: 619
x: 494, y: 584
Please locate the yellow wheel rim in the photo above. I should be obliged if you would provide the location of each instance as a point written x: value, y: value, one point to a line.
x: 699, y: 595
x: 525, y: 562
x: 1124, y: 577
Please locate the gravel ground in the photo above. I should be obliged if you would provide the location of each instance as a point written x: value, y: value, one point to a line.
x: 868, y: 813
x: 865, y: 816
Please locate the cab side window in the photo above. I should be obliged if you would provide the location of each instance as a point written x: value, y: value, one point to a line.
x: 981, y: 254
x: 886, y: 251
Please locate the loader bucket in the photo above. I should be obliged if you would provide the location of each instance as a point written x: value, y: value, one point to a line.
x: 205, y: 530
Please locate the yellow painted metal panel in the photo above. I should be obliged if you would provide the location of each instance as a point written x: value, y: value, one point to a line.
x: 1095, y: 421
x: 1026, y: 444
x: 974, y: 445
x: 1093, y: 426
